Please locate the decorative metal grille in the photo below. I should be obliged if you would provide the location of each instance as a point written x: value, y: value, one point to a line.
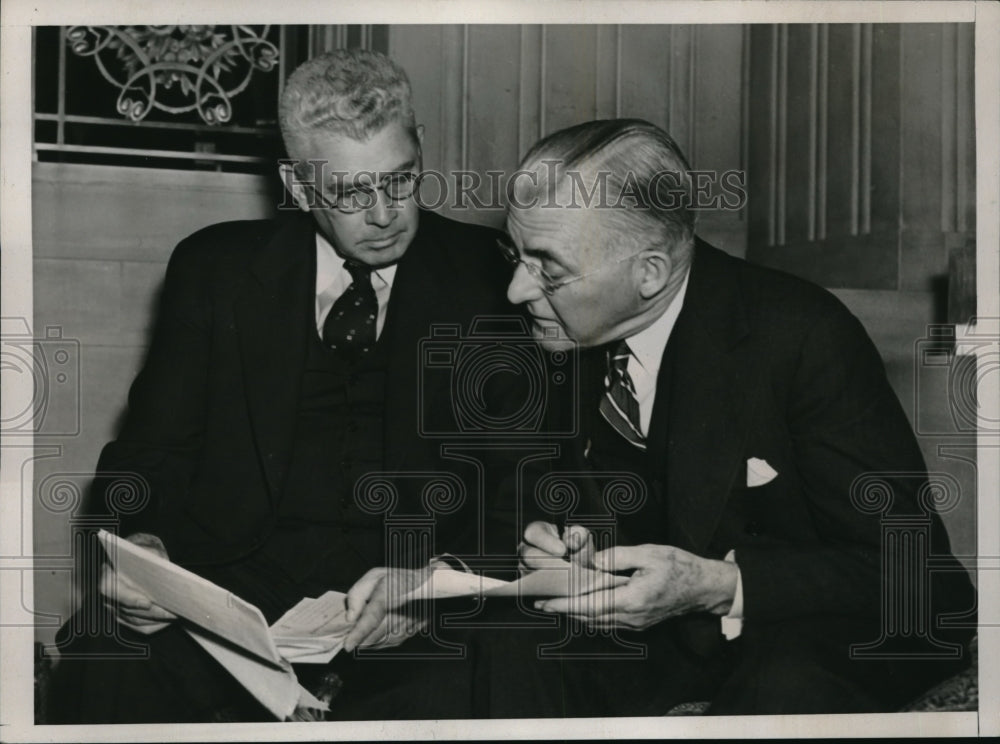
x: 182, y: 97
x: 176, y: 69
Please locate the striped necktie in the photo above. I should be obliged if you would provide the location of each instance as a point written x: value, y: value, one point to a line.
x: 618, y: 404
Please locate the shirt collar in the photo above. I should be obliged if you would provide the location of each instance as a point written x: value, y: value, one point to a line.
x: 329, y: 265
x: 648, y: 345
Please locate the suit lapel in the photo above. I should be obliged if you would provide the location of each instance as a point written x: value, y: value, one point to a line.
x: 271, y: 322
x: 420, y: 297
x: 704, y: 421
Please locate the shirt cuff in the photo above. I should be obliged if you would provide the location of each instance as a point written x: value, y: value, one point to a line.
x: 732, y: 622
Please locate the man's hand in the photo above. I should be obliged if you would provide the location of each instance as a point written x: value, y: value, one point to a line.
x: 376, y: 607
x: 134, y: 609
x: 542, y: 544
x: 667, y: 582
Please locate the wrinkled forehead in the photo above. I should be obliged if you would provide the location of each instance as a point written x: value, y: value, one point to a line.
x: 571, y: 232
x: 390, y: 149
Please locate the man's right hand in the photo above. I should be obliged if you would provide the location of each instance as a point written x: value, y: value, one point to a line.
x: 542, y: 543
x: 134, y: 609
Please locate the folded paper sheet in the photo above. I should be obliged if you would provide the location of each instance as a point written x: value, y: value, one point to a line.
x: 232, y: 630
x: 236, y: 634
x: 313, y: 631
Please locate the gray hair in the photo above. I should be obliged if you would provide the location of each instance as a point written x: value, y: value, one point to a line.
x: 636, y: 158
x: 351, y: 93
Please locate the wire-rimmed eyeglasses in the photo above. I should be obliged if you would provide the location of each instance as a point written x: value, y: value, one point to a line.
x: 396, y: 185
x: 548, y: 284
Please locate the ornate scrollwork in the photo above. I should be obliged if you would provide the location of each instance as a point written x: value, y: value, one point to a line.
x: 176, y: 69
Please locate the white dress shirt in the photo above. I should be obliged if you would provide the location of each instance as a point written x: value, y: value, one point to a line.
x: 647, y: 348
x: 333, y: 279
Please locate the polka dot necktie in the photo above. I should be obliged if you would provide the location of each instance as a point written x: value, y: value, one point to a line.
x: 619, y: 406
x: 350, y: 327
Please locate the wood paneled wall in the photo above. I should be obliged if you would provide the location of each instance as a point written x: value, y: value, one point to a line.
x: 486, y: 93
x: 861, y: 162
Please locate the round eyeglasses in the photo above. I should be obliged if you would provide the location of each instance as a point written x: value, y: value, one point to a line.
x: 397, y: 185
x: 548, y: 284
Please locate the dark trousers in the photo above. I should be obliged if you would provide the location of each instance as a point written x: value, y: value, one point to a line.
x: 508, y: 662
x: 109, y: 674
x: 802, y: 666
x: 178, y: 682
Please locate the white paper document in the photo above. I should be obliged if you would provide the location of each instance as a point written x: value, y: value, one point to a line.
x: 313, y: 631
x: 236, y: 634
x: 232, y: 630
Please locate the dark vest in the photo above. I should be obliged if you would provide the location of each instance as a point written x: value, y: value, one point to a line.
x: 609, y: 452
x: 320, y: 535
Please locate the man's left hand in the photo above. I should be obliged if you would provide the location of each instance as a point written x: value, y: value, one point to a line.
x: 376, y: 606
x: 666, y: 582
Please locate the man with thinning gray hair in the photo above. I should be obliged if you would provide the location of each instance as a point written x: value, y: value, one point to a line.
x: 752, y: 407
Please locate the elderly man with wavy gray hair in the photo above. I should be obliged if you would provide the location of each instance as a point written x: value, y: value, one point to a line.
x: 282, y: 370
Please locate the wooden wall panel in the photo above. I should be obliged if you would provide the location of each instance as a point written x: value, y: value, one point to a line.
x: 494, y: 74
x: 682, y: 95
x: 798, y: 141
x: 569, y: 76
x: 762, y: 133
x: 965, y: 130
x: 861, y: 151
x: 884, y: 158
x: 843, y: 138
x: 529, y: 124
x: 717, y: 116
x: 487, y: 93
x: 645, y: 73
x: 419, y: 49
x: 607, y: 95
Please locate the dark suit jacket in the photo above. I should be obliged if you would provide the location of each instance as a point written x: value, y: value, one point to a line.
x: 210, y: 418
x: 762, y: 364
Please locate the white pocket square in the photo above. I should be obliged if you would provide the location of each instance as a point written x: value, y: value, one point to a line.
x: 759, y: 472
